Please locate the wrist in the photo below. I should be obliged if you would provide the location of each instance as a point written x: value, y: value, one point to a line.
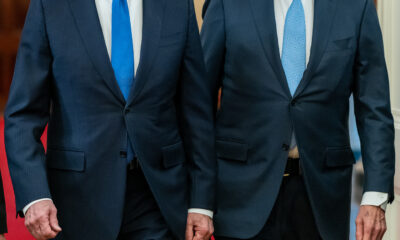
x: 205, y: 212
x: 26, y: 208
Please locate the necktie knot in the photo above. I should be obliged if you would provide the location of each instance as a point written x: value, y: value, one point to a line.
x: 122, y: 2
x: 297, y: 3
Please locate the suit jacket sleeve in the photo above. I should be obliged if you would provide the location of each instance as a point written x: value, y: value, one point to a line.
x: 197, y: 121
x: 372, y: 106
x: 27, y: 111
x: 3, y: 216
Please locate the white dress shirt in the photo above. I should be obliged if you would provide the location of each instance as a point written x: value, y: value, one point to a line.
x: 104, y: 10
x: 281, y: 9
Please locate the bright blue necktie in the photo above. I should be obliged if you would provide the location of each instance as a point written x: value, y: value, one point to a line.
x: 122, y: 58
x: 294, y: 45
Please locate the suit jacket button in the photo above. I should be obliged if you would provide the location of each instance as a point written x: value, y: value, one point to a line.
x: 123, y: 154
x: 285, y: 147
x: 126, y: 110
x: 293, y: 103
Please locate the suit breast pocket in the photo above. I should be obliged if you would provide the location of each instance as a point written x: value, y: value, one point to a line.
x: 172, y: 39
x: 341, y: 44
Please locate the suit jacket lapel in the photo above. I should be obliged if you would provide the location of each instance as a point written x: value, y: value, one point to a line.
x: 324, y: 13
x: 153, y: 13
x: 264, y: 17
x: 87, y: 21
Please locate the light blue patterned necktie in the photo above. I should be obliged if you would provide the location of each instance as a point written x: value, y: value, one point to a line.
x: 294, y: 45
x: 122, y: 58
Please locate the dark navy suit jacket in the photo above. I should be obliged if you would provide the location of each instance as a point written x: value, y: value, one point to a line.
x: 258, y: 113
x: 63, y: 77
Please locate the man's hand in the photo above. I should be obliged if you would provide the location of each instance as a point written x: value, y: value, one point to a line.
x: 2, y: 237
x: 371, y: 223
x: 199, y: 227
x: 41, y: 220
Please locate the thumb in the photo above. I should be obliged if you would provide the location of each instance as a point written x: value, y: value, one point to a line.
x: 359, y: 229
x: 189, y: 231
x: 54, y: 221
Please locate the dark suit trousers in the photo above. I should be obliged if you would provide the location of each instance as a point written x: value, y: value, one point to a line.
x: 142, y: 217
x: 3, y: 217
x: 292, y: 217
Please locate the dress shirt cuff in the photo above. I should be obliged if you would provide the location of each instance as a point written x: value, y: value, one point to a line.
x: 375, y: 199
x: 202, y: 211
x: 30, y: 204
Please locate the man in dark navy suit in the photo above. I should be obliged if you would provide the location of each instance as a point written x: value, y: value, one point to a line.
x: 287, y: 69
x: 122, y: 87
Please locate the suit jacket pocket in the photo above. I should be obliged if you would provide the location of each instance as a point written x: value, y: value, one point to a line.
x: 340, y: 44
x: 339, y: 157
x: 232, y: 150
x: 66, y: 160
x: 173, y: 155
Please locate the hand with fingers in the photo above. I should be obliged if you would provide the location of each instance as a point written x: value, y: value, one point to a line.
x: 370, y: 223
x: 199, y: 227
x: 2, y: 237
x: 41, y: 220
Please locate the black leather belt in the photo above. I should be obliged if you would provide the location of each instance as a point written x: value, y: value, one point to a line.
x: 292, y: 167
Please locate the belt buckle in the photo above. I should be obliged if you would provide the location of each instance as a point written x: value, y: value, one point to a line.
x: 286, y: 175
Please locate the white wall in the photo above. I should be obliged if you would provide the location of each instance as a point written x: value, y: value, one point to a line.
x: 390, y: 21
